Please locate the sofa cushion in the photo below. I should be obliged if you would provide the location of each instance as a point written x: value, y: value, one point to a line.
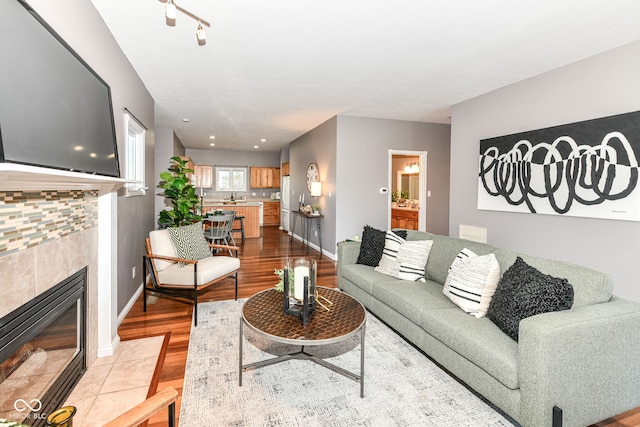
x: 372, y: 245
x: 472, y: 281
x: 189, y: 242
x: 589, y: 286
x: 208, y: 269
x: 362, y: 276
x: 524, y: 291
x: 411, y: 299
x: 478, y: 340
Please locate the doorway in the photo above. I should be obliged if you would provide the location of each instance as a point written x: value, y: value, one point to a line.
x: 407, y: 189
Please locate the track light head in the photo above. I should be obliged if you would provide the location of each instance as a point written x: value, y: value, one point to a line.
x: 170, y: 13
x: 201, y: 35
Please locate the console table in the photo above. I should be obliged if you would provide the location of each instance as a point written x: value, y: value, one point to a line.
x: 307, y: 220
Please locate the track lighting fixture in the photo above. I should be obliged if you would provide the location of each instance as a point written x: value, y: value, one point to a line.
x: 170, y: 13
x: 201, y: 35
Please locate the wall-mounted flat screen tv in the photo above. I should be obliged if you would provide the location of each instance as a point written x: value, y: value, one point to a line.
x: 55, y: 111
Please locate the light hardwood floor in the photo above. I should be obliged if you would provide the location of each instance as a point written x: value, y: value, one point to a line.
x: 259, y: 257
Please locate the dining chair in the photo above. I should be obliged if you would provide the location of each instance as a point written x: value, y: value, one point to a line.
x: 220, y: 227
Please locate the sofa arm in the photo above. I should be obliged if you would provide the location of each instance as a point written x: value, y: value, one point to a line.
x: 348, y: 252
x: 583, y: 360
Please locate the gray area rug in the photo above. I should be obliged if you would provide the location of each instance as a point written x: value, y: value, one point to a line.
x: 402, y: 386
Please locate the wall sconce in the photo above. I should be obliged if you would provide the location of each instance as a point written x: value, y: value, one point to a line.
x: 316, y: 189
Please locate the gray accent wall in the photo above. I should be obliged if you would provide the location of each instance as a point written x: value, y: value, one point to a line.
x: 599, y: 86
x: 317, y: 145
x: 363, y: 167
x: 84, y: 30
x: 352, y: 154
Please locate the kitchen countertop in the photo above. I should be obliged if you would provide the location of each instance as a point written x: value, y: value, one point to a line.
x: 395, y: 205
x: 250, y: 202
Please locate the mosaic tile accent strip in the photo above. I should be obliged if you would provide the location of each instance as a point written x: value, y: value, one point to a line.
x: 28, y: 218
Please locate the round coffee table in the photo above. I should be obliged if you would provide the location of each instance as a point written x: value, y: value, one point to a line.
x: 264, y: 314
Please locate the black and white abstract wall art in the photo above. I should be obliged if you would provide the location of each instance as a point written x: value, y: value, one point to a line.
x: 586, y: 169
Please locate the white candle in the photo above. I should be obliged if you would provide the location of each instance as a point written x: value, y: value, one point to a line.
x: 299, y: 273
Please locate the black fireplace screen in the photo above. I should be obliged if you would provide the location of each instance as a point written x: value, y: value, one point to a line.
x: 42, y: 352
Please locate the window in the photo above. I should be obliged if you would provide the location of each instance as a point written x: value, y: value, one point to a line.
x: 231, y: 178
x: 134, y: 157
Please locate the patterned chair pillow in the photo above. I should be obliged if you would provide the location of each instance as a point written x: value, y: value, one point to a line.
x: 189, y: 242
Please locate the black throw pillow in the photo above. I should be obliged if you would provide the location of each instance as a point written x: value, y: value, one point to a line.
x: 524, y: 291
x: 372, y: 245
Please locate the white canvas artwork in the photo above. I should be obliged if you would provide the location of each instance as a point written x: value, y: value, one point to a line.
x: 587, y: 169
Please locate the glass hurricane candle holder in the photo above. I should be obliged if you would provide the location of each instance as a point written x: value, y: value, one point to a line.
x: 300, y: 293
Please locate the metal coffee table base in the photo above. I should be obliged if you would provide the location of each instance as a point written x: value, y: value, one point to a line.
x: 305, y: 356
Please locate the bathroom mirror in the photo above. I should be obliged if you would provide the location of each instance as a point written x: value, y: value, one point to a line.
x: 409, y: 182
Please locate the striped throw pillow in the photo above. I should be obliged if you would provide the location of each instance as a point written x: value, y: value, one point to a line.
x: 413, y: 256
x: 472, y: 281
x: 404, y: 259
x: 389, y: 263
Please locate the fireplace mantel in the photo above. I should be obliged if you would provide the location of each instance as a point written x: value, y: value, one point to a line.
x: 17, y: 177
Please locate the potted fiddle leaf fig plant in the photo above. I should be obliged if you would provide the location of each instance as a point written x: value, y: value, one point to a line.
x: 181, y: 195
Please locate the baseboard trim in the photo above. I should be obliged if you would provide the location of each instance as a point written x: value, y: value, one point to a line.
x: 316, y: 247
x: 127, y: 308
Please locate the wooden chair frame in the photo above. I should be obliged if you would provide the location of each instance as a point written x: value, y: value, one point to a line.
x: 176, y: 291
x: 154, y: 404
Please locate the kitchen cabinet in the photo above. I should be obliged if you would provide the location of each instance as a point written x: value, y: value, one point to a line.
x: 285, y: 169
x: 404, y: 219
x: 265, y: 177
x: 271, y: 213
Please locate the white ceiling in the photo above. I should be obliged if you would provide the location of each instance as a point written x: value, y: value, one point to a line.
x: 277, y: 69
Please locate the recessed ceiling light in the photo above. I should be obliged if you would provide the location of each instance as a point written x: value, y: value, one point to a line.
x: 212, y: 137
x: 185, y: 120
x: 213, y: 144
x: 263, y: 140
x: 256, y: 146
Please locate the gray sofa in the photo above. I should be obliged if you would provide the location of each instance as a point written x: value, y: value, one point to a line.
x: 580, y: 365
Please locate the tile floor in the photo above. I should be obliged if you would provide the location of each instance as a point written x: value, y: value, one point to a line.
x: 116, y: 383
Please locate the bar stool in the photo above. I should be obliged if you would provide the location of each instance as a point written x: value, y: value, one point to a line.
x: 241, y: 229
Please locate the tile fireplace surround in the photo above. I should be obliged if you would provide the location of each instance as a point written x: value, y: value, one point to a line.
x: 52, y: 224
x: 45, y: 237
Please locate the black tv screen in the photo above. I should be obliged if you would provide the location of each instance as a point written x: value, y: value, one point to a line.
x: 55, y: 111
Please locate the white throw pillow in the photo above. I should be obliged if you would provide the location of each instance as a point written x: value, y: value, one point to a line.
x: 404, y: 259
x: 413, y: 256
x: 472, y: 281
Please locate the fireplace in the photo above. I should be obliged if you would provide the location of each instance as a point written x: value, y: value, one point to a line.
x: 42, y: 351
